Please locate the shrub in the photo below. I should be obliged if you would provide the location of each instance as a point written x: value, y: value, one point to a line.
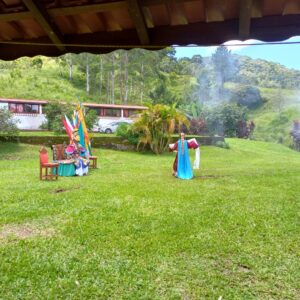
x: 198, y: 127
x: 245, y: 129
x: 125, y: 131
x: 7, y: 124
x: 222, y: 144
x: 91, y: 118
x: 223, y: 119
x: 248, y: 96
x: 54, y: 113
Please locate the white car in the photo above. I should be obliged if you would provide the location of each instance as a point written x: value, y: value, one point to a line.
x: 113, y: 126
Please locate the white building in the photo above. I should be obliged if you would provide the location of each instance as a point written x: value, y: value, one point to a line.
x: 29, y: 113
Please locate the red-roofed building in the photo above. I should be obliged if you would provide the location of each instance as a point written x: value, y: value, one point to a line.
x: 30, y: 115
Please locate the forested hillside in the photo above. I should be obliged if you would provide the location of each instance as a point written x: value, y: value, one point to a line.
x: 269, y: 91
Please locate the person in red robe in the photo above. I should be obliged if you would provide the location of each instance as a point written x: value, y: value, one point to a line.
x: 190, y: 144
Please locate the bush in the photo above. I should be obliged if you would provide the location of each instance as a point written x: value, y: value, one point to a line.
x: 223, y: 119
x: 222, y: 144
x: 7, y: 124
x: 198, y: 127
x: 245, y: 129
x: 248, y: 96
x: 125, y: 131
x: 54, y: 113
x: 91, y: 118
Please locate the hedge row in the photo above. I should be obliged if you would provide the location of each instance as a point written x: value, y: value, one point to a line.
x: 109, y: 142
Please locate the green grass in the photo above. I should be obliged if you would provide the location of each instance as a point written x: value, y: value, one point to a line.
x: 130, y: 230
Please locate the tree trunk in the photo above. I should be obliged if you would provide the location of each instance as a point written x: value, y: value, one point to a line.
x: 113, y: 80
x: 100, y: 83
x: 70, y: 67
x: 142, y: 82
x: 130, y: 89
x: 87, y: 75
x: 108, y: 88
x: 121, y: 80
x: 126, y: 77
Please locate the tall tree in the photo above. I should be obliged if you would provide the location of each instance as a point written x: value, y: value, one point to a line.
x: 224, y: 65
x: 100, y: 76
x: 87, y: 74
x: 113, y: 79
x: 126, y: 77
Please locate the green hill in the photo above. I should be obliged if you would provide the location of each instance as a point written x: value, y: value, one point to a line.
x: 140, y: 77
x: 274, y: 118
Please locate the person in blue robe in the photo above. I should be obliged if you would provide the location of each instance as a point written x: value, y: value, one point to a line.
x: 182, y: 166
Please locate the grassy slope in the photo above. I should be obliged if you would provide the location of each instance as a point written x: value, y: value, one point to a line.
x: 130, y: 230
x: 274, y: 118
x: 52, y: 83
x: 46, y: 84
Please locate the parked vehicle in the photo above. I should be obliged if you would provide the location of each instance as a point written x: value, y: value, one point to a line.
x: 113, y: 126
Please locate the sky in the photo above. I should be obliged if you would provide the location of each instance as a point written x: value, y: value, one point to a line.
x: 287, y: 55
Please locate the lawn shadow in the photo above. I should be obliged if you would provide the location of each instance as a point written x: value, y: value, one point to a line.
x: 209, y: 176
x: 9, y: 150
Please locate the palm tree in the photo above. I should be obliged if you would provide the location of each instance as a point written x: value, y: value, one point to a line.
x: 156, y: 126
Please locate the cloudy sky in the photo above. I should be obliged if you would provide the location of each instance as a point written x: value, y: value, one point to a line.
x: 285, y: 54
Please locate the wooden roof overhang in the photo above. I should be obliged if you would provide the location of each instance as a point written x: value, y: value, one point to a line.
x: 97, y: 105
x: 55, y: 27
x: 23, y: 101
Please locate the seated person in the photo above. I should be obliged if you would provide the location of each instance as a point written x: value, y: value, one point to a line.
x: 77, y: 152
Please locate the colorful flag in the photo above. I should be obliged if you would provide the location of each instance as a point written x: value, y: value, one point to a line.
x: 82, y: 129
x: 68, y: 129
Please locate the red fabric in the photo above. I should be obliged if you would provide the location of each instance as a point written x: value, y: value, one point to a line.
x: 192, y: 145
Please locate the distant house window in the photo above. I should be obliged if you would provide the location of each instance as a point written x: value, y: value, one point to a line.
x: 127, y: 113
x: 21, y: 108
x: 31, y: 108
x: 110, y: 112
x: 12, y: 107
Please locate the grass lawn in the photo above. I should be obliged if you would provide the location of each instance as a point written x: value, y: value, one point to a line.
x: 129, y: 230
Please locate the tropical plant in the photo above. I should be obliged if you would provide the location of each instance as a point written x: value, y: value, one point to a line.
x: 156, y: 126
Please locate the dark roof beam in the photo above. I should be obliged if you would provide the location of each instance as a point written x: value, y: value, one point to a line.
x: 176, y: 13
x: 257, y: 8
x: 292, y: 7
x: 137, y: 17
x: 15, y: 16
x: 148, y: 17
x: 213, y: 11
x: 41, y: 15
x: 88, y: 8
x: 245, y: 18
